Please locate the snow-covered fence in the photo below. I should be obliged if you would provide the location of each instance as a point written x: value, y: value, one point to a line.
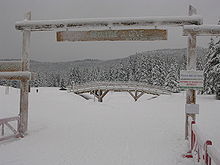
x: 5, y: 123
x: 201, y: 148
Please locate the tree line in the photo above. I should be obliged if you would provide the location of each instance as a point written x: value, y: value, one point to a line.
x: 158, y: 68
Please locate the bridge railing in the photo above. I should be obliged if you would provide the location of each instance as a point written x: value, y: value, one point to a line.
x: 117, y: 84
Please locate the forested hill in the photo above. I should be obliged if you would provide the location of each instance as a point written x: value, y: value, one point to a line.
x: 179, y: 55
x: 158, y: 67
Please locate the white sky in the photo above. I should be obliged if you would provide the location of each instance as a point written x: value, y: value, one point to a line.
x: 45, y: 48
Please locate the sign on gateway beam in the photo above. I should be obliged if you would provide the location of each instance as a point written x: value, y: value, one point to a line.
x: 113, y: 35
x: 191, y: 79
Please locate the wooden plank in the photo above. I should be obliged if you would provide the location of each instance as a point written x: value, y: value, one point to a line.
x: 202, y: 30
x: 50, y: 25
x: 15, y: 75
x: 113, y: 35
x: 10, y: 66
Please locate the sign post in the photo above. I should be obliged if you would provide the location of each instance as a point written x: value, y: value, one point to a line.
x: 191, y: 80
x: 191, y: 65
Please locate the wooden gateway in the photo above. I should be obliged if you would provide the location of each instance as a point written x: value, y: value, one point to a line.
x: 113, y: 29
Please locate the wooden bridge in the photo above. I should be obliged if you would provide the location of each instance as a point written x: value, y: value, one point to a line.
x: 100, y: 89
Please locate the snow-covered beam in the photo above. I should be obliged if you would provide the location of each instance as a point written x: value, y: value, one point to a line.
x: 202, y: 30
x: 10, y: 66
x: 50, y: 25
x: 15, y: 75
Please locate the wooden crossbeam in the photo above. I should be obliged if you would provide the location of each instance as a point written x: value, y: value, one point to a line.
x: 202, y: 30
x: 10, y: 66
x: 15, y: 75
x: 50, y: 25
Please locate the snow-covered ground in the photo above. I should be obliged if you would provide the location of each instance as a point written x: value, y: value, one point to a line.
x: 65, y: 129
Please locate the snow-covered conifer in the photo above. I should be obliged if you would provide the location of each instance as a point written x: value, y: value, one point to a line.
x: 212, y: 67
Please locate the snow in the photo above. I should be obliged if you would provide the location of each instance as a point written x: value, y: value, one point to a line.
x: 66, y: 129
x: 208, y: 119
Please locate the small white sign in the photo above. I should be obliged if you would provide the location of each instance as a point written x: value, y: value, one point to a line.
x: 192, y: 108
x: 191, y: 79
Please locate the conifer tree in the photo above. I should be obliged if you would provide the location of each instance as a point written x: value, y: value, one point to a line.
x: 172, y: 78
x: 212, y: 67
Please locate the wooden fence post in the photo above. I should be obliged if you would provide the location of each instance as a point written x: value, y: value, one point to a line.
x: 23, y: 124
x: 191, y: 65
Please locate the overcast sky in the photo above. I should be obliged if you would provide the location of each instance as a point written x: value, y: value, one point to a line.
x: 45, y: 48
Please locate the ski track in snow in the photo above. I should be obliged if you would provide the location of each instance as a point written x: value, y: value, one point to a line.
x: 65, y: 129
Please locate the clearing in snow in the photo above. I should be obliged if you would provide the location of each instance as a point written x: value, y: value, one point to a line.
x: 66, y: 129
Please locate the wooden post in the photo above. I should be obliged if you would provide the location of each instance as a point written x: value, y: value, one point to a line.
x: 100, y: 95
x: 3, y: 131
x: 191, y: 65
x: 136, y: 94
x: 94, y: 96
x: 23, y: 124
